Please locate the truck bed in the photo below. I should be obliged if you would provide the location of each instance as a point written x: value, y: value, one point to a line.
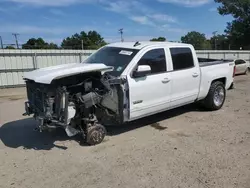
x: 209, y: 62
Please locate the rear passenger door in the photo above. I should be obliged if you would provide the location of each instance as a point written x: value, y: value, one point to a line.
x: 185, y: 77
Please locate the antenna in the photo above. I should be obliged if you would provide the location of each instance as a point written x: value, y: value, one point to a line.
x: 15, y: 35
x: 121, y: 32
x: 137, y: 44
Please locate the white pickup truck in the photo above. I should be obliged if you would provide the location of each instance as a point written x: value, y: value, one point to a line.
x: 122, y: 82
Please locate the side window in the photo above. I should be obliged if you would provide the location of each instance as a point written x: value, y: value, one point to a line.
x: 182, y: 58
x: 156, y: 59
x: 239, y: 62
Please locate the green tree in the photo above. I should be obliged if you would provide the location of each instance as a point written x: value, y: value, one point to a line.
x: 10, y: 47
x: 161, y: 39
x: 38, y: 43
x: 90, y: 40
x: 206, y: 45
x: 198, y: 40
x: 220, y: 42
x: 239, y: 9
x: 237, y: 31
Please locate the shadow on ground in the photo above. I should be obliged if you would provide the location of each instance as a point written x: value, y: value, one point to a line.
x: 21, y: 133
x: 153, y: 121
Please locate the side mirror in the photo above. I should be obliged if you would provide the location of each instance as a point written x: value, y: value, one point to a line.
x: 142, y: 70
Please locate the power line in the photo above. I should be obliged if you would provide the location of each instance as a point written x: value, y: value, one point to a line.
x: 15, y: 35
x: 121, y: 32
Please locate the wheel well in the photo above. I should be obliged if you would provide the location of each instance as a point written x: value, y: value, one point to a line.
x: 223, y: 80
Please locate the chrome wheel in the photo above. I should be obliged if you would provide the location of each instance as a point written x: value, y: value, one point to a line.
x: 219, y: 96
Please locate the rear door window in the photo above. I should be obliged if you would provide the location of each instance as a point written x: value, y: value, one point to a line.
x: 182, y: 58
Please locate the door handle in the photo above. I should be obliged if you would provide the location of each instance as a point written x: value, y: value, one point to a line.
x: 195, y: 75
x: 165, y: 80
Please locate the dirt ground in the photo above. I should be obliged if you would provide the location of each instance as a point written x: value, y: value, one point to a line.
x: 186, y: 147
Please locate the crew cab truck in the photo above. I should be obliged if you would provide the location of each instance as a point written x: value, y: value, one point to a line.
x: 123, y: 82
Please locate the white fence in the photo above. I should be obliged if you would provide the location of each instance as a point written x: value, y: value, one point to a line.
x: 13, y: 63
x: 245, y: 55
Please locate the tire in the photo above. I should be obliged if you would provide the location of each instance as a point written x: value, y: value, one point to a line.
x: 216, y: 96
x: 95, y: 135
x: 232, y: 86
x: 246, y: 73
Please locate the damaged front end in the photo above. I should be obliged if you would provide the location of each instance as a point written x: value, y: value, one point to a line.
x: 81, y: 104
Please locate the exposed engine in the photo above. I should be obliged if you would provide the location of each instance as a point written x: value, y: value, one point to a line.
x: 80, y: 104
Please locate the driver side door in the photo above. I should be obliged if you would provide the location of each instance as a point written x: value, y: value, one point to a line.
x: 150, y: 93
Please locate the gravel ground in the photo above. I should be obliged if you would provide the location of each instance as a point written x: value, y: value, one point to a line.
x: 186, y: 147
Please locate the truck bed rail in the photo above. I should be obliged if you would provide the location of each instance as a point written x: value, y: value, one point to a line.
x: 209, y: 62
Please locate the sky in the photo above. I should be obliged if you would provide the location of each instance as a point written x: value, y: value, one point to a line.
x: 141, y: 20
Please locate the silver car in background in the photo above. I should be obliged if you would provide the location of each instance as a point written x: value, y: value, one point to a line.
x: 242, y: 66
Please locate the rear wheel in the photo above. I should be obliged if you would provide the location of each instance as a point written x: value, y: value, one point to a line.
x: 216, y: 96
x: 247, y: 71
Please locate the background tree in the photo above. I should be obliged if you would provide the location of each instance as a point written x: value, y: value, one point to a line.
x: 38, y: 43
x: 220, y: 42
x: 237, y: 31
x: 90, y: 40
x: 160, y: 39
x: 10, y: 47
x: 198, y: 40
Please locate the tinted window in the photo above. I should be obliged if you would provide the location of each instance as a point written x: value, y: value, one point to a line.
x: 119, y: 58
x: 239, y: 62
x: 156, y: 59
x: 182, y: 58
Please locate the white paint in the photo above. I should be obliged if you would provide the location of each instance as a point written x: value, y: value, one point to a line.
x: 241, y: 67
x: 156, y: 93
x: 71, y: 113
x: 143, y: 44
x: 12, y: 60
x: 143, y: 68
x: 48, y: 74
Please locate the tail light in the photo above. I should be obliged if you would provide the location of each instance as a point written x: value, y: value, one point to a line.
x: 234, y: 71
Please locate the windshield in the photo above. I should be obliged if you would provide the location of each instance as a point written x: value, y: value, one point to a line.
x: 119, y: 58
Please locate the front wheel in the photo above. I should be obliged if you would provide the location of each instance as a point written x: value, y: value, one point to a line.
x: 95, y: 134
x: 216, y: 96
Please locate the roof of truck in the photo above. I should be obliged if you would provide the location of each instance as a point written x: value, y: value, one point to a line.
x: 140, y: 45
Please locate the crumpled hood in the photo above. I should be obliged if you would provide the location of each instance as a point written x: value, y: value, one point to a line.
x: 48, y: 74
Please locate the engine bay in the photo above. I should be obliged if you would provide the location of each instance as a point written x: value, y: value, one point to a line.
x: 81, y: 104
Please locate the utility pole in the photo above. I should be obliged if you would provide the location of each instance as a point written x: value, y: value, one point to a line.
x: 15, y: 35
x: 1, y: 42
x: 215, y: 43
x: 82, y: 44
x: 121, y: 32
